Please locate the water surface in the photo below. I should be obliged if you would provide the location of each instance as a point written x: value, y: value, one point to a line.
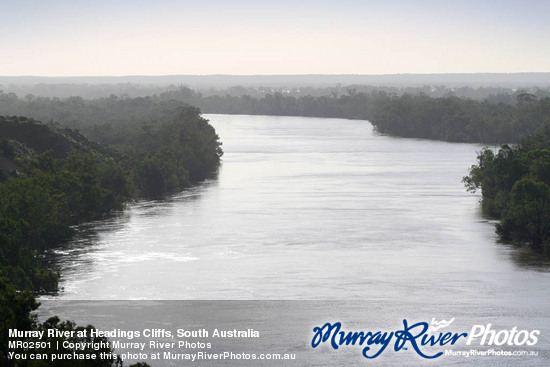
x: 306, y: 208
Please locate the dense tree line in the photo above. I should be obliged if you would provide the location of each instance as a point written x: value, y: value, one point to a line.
x: 419, y: 115
x: 165, y: 138
x: 503, y: 117
x: 515, y: 187
x: 461, y: 120
x: 164, y: 155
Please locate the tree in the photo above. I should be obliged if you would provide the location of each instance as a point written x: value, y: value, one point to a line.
x: 515, y: 187
x: 528, y: 217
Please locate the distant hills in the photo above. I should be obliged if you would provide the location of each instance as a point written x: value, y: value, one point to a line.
x: 509, y: 80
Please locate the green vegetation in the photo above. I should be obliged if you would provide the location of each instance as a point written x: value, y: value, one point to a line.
x: 500, y: 119
x: 54, y: 178
x: 515, y: 186
x: 460, y: 120
x: 483, y: 115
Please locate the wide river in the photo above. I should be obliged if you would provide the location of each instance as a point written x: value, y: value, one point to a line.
x: 316, y: 209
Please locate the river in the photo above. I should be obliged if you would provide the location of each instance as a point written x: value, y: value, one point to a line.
x: 316, y: 209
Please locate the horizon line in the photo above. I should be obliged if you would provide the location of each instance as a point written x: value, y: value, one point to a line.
x: 270, y: 75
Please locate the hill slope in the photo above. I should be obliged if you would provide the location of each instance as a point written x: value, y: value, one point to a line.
x: 19, y: 135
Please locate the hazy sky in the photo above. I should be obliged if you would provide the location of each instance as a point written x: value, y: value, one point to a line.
x: 162, y: 37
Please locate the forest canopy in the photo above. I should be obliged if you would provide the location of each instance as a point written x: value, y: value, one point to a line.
x: 515, y: 187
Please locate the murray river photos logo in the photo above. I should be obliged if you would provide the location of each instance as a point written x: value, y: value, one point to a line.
x: 421, y: 337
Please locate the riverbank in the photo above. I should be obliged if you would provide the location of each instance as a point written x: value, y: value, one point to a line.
x: 73, y: 180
